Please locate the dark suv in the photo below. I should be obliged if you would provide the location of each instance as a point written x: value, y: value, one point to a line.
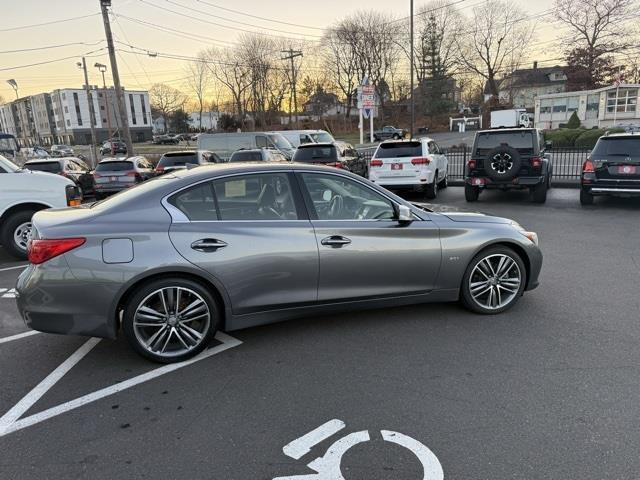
x: 504, y: 159
x: 613, y: 168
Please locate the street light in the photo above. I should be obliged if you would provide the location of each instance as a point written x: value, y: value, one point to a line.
x: 14, y: 85
x: 102, y: 68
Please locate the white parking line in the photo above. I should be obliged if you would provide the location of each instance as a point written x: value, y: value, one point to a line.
x: 18, y: 336
x: 5, y: 269
x: 11, y: 422
x: 301, y: 446
x: 7, y: 293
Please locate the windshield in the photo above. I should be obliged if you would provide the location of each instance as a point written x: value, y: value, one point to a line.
x: 53, y: 167
x: 8, y: 144
x: 7, y: 166
x: 617, y: 147
x: 280, y: 142
x: 399, y: 149
x: 521, y: 141
x: 178, y: 160
x: 315, y: 153
x: 245, y: 157
x: 114, y: 166
x: 322, y: 137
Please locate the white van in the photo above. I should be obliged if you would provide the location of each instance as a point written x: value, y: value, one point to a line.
x: 224, y: 144
x: 300, y: 137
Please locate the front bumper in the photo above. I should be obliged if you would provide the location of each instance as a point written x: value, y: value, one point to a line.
x: 535, y: 266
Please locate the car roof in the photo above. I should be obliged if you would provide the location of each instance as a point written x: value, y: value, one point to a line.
x: 507, y: 130
x: 46, y: 160
x: 320, y: 144
x: 405, y: 140
x: 623, y: 135
x: 180, y: 152
x: 117, y: 159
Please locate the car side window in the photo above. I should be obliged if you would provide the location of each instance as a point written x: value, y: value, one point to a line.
x: 197, y: 203
x: 260, y: 196
x: 338, y: 198
x: 433, y: 148
x: 261, y: 141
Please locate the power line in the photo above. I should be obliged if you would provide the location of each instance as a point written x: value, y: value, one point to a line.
x: 88, y: 54
x: 48, y: 23
x: 49, y: 47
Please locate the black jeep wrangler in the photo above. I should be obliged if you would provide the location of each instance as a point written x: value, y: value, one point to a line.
x: 508, y: 158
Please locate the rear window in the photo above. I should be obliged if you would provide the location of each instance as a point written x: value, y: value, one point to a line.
x: 114, y: 166
x: 399, y: 149
x: 317, y: 153
x: 246, y: 157
x: 617, y: 147
x: 178, y: 160
x: 53, y: 167
x: 519, y: 140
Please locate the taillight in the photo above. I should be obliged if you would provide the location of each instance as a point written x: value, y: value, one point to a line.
x: 376, y: 163
x: 334, y: 164
x: 96, y: 175
x: 536, y: 162
x: 421, y: 161
x: 39, y: 251
x: 159, y: 169
x: 136, y: 175
x: 587, y: 166
x: 471, y: 164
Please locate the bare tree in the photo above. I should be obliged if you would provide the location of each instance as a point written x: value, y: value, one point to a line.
x: 198, y: 82
x: 166, y: 100
x: 495, y: 41
x: 596, y: 30
x: 340, y: 61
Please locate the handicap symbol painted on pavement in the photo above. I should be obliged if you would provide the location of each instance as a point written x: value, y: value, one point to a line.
x: 327, y: 467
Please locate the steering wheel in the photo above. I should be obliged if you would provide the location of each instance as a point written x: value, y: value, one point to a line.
x: 336, y: 205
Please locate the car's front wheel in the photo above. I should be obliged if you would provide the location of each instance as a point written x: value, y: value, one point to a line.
x: 16, y: 233
x: 171, y: 319
x: 493, y: 281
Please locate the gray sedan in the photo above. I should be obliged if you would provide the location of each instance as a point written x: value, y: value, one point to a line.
x: 232, y: 246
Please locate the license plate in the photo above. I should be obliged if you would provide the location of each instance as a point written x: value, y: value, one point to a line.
x: 113, y: 179
x: 627, y: 169
x: 396, y: 166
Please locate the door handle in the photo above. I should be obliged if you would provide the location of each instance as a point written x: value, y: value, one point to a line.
x: 208, y: 244
x: 335, y: 241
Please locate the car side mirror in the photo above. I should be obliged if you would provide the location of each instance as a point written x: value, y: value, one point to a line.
x: 404, y: 214
x: 548, y: 144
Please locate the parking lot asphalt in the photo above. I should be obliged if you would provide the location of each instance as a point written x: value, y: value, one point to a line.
x: 548, y: 390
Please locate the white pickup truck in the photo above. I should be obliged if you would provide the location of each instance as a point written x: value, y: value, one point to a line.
x: 22, y: 193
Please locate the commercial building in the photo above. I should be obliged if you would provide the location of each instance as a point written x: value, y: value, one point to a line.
x: 65, y: 116
x: 604, y: 107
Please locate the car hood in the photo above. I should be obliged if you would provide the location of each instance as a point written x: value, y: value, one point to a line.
x: 457, y: 214
x: 53, y: 177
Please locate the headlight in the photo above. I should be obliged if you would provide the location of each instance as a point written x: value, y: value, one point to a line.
x: 532, y: 236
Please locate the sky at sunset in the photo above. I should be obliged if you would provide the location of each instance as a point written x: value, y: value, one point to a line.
x: 219, y: 26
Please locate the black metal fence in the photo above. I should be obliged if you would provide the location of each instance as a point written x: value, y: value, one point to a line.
x: 567, y: 163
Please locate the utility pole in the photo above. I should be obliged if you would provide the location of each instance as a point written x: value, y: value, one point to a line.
x: 122, y: 108
x: 411, y: 103
x: 291, y: 55
x: 92, y: 113
x: 103, y: 68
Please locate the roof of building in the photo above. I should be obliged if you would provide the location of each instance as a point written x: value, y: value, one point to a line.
x: 531, y: 77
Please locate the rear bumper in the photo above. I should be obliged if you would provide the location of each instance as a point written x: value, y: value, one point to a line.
x: 517, y: 182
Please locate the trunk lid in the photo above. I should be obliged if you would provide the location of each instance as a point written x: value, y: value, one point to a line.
x: 398, y: 159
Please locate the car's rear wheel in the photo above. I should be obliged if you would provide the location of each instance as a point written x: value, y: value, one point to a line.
x: 493, y: 281
x: 431, y: 190
x: 539, y: 192
x: 471, y: 193
x: 444, y: 183
x: 16, y: 233
x: 585, y: 197
x: 171, y: 319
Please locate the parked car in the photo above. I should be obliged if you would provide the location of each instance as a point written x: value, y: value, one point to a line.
x: 505, y: 159
x: 9, y: 146
x: 301, y: 137
x: 257, y: 155
x: 113, y: 147
x: 336, y: 154
x: 174, y: 260
x: 35, y: 152
x: 613, y: 168
x: 61, y: 151
x: 224, y: 144
x: 165, y: 140
x: 70, y: 167
x: 389, y: 132
x: 172, y: 161
x: 410, y: 164
x: 25, y: 192
x: 115, y: 174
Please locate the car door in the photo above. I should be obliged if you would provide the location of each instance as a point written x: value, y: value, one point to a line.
x: 364, y: 251
x: 251, y: 233
x: 439, y: 158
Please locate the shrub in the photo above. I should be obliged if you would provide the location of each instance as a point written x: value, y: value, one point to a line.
x: 589, y: 138
x: 574, y: 121
x: 563, y: 138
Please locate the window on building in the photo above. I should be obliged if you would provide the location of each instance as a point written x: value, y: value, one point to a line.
x: 559, y: 105
x: 66, y: 109
x: 593, y: 103
x: 572, y: 104
x: 68, y: 123
x: 76, y: 102
x: 623, y: 100
x: 133, y: 110
x: 545, y: 105
x: 144, y: 109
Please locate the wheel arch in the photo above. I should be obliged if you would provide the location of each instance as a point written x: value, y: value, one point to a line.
x: 216, y: 290
x: 21, y: 207
x: 513, y: 245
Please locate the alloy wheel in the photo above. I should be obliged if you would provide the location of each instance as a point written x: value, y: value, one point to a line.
x: 171, y: 321
x: 495, y: 281
x: 22, y: 235
x: 502, y: 162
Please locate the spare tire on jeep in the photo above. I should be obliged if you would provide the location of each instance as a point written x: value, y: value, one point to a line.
x: 502, y: 163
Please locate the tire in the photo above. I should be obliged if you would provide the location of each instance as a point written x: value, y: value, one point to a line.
x: 539, y: 193
x: 444, y: 183
x: 471, y: 193
x: 17, y: 224
x: 585, y: 197
x: 147, y: 294
x: 395, y: 136
x: 375, y: 139
x: 502, y: 163
x: 431, y: 190
x: 507, y: 286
